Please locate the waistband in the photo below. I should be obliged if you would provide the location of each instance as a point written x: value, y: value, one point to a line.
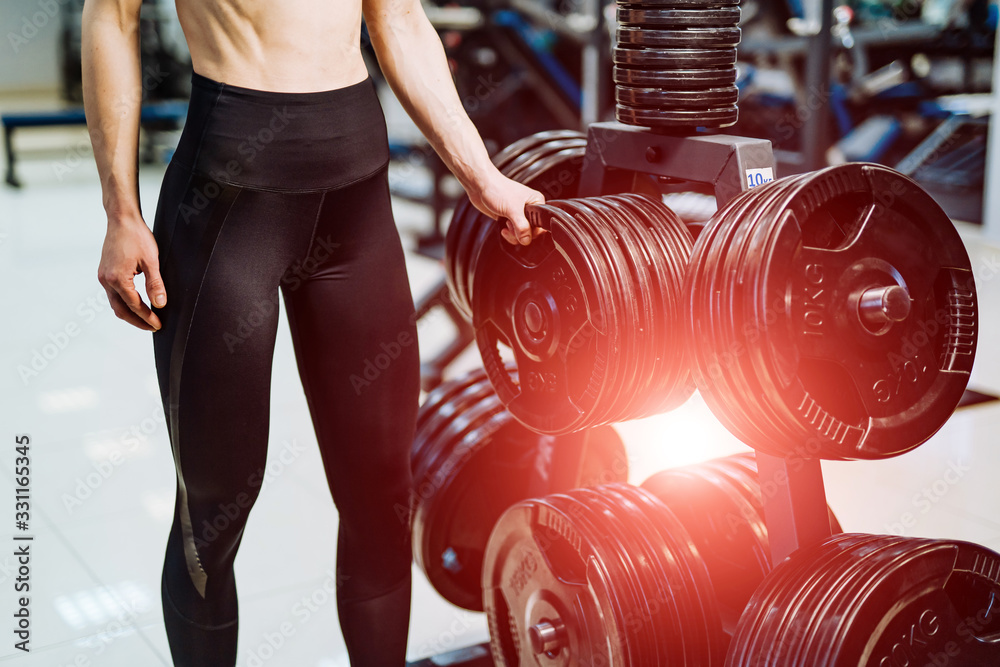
x: 280, y: 140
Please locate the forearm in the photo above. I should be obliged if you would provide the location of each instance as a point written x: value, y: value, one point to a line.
x: 413, y: 60
x: 112, y: 98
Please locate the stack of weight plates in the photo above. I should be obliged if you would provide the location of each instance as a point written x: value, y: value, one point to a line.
x: 550, y: 162
x: 832, y: 314
x: 592, y: 312
x: 471, y: 461
x: 602, y: 576
x: 719, y: 502
x: 675, y: 63
x: 875, y: 600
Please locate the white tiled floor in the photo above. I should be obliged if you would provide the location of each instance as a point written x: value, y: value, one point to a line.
x: 102, y: 473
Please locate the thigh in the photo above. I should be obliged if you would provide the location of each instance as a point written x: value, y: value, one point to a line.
x: 351, y: 315
x: 223, y: 253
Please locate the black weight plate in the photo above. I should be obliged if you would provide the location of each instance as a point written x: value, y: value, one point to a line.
x: 597, y: 219
x: 437, y: 438
x: 539, y: 566
x: 657, y: 335
x: 943, y: 594
x: 557, y: 176
x: 626, y: 598
x: 731, y: 262
x: 665, y: 79
x: 675, y: 239
x: 489, y: 470
x: 679, y: 568
x: 472, y: 417
x: 524, y: 160
x: 688, y: 575
x: 535, y: 157
x: 479, y: 227
x: 646, y: 49
x: 434, y: 421
x: 627, y: 255
x: 715, y: 364
x: 553, y: 174
x: 474, y: 223
x: 717, y: 521
x: 757, y: 624
x: 840, y: 588
x: 701, y: 327
x: 669, y: 610
x: 678, y: 4
x: 654, y: 118
x: 739, y: 264
x: 679, y: 18
x: 626, y: 320
x: 836, y: 578
x: 451, y: 241
x: 827, y: 572
x: 433, y: 470
x: 574, y: 352
x: 622, y: 521
x: 616, y: 309
x: 718, y: 323
x: 453, y: 518
x: 444, y: 413
x: 633, y: 244
x: 693, y: 38
x: 863, y: 394
x: 734, y: 331
x: 505, y: 156
x: 634, y: 581
x: 673, y: 242
x: 710, y: 98
x: 446, y: 390
x: 930, y: 603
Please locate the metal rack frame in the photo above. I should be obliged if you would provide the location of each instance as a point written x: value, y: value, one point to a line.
x: 795, y: 507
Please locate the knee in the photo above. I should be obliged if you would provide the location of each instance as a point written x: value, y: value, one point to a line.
x: 381, y: 511
x: 220, y: 518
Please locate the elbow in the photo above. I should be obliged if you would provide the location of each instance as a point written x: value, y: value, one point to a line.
x: 108, y: 16
x: 400, y: 27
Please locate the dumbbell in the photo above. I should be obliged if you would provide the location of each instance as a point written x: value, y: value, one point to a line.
x: 547, y: 161
x: 832, y: 314
x: 591, y: 310
x: 875, y: 601
x: 675, y: 63
x: 470, y: 462
x: 623, y: 575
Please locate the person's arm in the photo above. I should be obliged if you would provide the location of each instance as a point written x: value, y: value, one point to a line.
x: 412, y: 58
x: 112, y: 93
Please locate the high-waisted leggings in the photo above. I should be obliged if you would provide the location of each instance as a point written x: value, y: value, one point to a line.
x: 273, y: 192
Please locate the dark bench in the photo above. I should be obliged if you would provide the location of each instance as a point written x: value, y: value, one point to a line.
x: 155, y: 115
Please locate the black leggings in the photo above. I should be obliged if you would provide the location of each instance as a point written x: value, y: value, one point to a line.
x: 284, y: 191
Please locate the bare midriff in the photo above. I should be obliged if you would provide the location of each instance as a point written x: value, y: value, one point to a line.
x: 285, y: 46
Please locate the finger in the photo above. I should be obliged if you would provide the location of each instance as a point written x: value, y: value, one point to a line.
x: 508, y: 236
x: 155, y: 289
x: 513, y: 231
x: 123, y: 312
x: 519, y: 226
x: 130, y: 296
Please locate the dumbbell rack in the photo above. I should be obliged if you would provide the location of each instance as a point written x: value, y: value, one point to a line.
x: 618, y: 158
x: 794, y: 496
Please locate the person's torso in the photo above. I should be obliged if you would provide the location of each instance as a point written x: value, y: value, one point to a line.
x: 290, y: 46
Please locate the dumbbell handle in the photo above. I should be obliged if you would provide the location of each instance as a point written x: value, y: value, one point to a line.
x: 879, y: 306
x: 547, y: 637
x: 539, y: 215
